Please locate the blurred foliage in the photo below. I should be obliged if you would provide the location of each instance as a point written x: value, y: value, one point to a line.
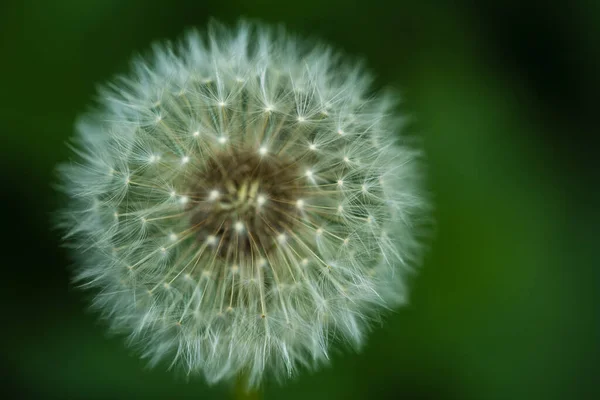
x: 504, y: 96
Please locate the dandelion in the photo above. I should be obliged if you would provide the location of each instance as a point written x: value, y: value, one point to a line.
x: 240, y: 204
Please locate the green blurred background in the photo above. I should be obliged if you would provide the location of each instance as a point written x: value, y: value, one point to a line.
x: 505, y: 97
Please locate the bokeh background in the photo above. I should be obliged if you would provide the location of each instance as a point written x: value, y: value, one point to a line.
x: 505, y: 96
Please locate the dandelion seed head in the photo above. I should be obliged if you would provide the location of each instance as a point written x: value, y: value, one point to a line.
x: 215, y: 234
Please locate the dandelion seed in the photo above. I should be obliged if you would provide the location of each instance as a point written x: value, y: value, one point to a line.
x: 261, y: 199
x: 239, y: 226
x: 266, y: 260
x: 214, y: 195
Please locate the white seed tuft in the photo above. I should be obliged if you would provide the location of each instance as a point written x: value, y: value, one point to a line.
x: 276, y: 251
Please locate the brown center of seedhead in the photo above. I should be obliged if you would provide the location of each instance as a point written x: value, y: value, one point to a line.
x: 244, y: 202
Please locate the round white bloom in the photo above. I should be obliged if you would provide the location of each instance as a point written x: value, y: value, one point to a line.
x: 240, y: 202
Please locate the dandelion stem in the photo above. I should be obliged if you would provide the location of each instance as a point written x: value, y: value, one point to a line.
x: 241, y: 391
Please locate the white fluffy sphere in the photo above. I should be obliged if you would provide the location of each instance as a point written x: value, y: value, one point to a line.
x: 241, y: 201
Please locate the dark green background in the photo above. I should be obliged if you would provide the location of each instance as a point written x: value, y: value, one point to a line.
x: 505, y: 96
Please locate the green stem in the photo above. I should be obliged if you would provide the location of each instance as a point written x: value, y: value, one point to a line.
x: 241, y: 391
